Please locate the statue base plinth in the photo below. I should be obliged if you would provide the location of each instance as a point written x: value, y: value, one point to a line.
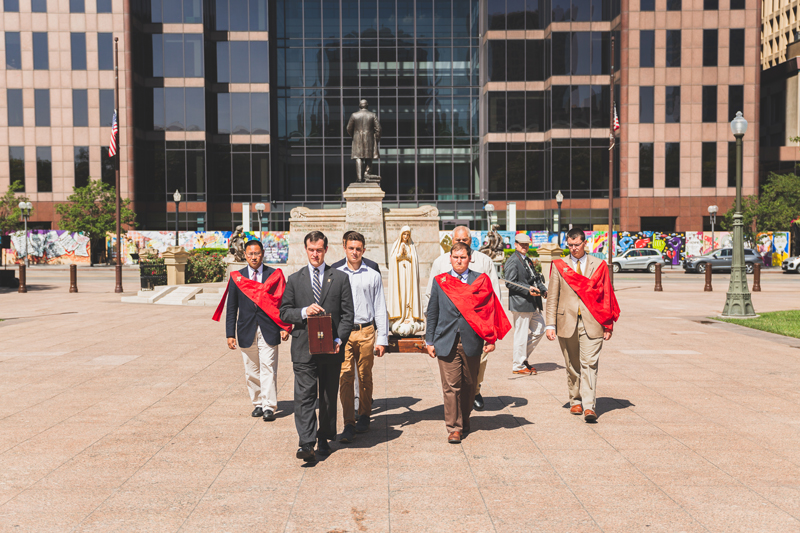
x: 412, y: 344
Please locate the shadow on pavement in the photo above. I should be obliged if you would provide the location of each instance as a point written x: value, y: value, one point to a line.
x: 547, y: 367
x: 606, y: 405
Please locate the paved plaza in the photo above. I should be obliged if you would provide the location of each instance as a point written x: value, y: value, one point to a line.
x: 121, y: 417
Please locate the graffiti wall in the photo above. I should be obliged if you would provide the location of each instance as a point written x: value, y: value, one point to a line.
x: 48, y: 247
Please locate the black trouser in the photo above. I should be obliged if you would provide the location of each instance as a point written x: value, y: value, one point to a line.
x: 307, y: 377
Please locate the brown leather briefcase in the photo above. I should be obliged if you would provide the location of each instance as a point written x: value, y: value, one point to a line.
x: 320, y: 335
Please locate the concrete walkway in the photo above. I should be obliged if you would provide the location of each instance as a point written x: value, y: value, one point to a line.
x: 116, y: 417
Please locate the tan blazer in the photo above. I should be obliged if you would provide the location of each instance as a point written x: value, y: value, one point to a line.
x: 563, y: 303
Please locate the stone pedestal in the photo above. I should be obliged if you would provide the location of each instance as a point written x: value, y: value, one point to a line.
x: 176, y: 257
x: 548, y: 252
x: 231, y: 265
x: 364, y: 214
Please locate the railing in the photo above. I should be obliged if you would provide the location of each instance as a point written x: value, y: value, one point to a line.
x: 152, y: 274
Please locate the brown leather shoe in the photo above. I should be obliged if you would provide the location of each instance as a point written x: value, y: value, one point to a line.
x: 590, y: 416
x: 454, y: 437
x: 576, y: 409
x: 526, y: 371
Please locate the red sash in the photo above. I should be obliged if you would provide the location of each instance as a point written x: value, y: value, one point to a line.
x: 596, y: 293
x: 478, y: 304
x: 266, y: 295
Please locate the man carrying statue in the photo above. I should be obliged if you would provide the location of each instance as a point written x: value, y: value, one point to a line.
x: 365, y: 130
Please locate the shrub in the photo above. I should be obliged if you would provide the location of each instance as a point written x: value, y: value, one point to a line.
x: 205, y: 265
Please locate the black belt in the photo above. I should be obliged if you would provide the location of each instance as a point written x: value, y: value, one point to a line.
x: 359, y: 327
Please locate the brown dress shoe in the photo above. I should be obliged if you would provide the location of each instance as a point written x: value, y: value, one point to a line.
x: 454, y: 437
x: 576, y: 409
x: 526, y: 371
x: 590, y: 416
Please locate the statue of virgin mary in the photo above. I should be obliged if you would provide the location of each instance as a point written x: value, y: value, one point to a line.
x: 405, y: 307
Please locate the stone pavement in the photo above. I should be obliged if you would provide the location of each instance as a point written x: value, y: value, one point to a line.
x: 118, y: 417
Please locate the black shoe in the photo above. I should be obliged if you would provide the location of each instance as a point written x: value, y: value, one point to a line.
x: 257, y: 412
x: 348, y: 434
x: 362, y: 425
x: 478, y: 403
x: 269, y: 416
x: 323, y: 448
x: 306, y: 453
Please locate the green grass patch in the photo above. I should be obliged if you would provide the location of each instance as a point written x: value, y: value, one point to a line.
x: 781, y: 322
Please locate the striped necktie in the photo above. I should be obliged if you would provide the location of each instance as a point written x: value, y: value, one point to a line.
x: 317, y: 286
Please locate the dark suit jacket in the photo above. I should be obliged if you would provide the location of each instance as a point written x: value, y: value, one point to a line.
x: 520, y: 300
x: 337, y: 300
x: 445, y: 321
x: 250, y: 315
x: 369, y: 262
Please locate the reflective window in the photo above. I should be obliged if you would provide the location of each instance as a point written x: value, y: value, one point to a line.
x: 242, y: 62
x: 712, y: 5
x: 242, y: 15
x: 709, y: 165
x: 106, y: 107
x: 14, y: 106
x: 105, y: 51
x: 673, y: 48
x: 13, y: 51
x: 672, y: 108
x: 646, y: 165
x: 709, y: 103
x: 736, y: 50
x: 42, y: 104
x: 735, y: 100
x: 647, y: 48
x: 11, y: 6
x: 39, y: 6
x: 647, y: 5
x: 178, y: 109
x: 80, y: 108
x: 78, y: 50
x: 245, y: 114
x: 497, y: 60
x: 41, y: 59
x: 561, y: 106
x: 673, y: 5
x: 731, y: 163
x: 178, y: 55
x: 710, y: 48
x: 176, y: 12
x: 672, y: 164
x: 104, y: 6
x: 16, y: 165
x: 108, y: 171
x: 77, y: 6
x: 81, y: 165
x: 580, y: 53
x: 646, y: 104
x: 737, y: 4
x: 44, y: 169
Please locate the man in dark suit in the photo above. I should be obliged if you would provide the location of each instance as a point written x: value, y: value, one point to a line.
x: 525, y: 306
x: 369, y: 263
x: 259, y: 336
x: 313, y: 290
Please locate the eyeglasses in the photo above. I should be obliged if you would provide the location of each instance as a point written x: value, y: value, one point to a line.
x: 259, y: 254
x: 464, y: 241
x: 575, y: 245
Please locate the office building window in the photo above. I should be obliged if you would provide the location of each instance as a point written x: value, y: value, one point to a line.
x: 526, y: 111
x: 180, y: 55
x: 11, y: 6
x: 709, y: 103
x: 243, y: 113
x: 673, y: 48
x: 647, y: 48
x: 186, y: 12
x: 709, y: 165
x: 81, y: 165
x: 41, y: 59
x: 13, y: 51
x: 242, y: 61
x: 672, y: 107
x: 179, y: 109
x: 645, y: 165
x: 736, y: 48
x: 108, y: 172
x: 672, y: 164
x: 80, y: 108
x: 104, y: 6
x: 737, y: 4
x: 647, y: 5
x: 235, y: 15
x: 44, y: 169
x: 78, y: 50
x: 39, y: 6
x: 711, y: 5
x: 77, y: 6
x: 16, y: 165
x: 41, y: 99
x: 731, y: 163
x: 646, y: 105
x: 105, y: 51
x: 710, y: 48
x: 106, y: 107
x: 579, y: 53
x: 673, y: 5
x: 14, y: 102
x: 735, y: 100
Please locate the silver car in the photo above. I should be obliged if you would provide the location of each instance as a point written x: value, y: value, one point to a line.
x: 791, y: 265
x: 638, y: 259
x: 721, y: 260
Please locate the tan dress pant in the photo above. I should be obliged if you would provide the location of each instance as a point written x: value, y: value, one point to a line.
x: 581, y: 355
x: 459, y: 376
x: 358, y: 354
x: 261, y: 372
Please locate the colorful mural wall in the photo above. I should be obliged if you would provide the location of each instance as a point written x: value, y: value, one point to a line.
x: 48, y: 247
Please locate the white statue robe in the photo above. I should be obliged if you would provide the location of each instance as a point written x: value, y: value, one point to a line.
x: 405, y: 306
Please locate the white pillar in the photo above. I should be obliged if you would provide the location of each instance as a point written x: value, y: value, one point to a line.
x: 511, y: 216
x: 246, y: 216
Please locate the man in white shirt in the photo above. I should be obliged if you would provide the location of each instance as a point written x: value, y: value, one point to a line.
x: 480, y: 263
x: 369, y: 337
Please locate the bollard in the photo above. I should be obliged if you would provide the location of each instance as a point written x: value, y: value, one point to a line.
x: 658, y: 278
x: 73, y: 278
x: 757, y: 277
x: 23, y: 287
x: 708, y: 288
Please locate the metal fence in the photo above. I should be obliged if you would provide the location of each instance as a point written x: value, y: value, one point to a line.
x: 152, y: 274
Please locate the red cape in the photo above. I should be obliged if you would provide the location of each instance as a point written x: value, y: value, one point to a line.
x: 267, y: 295
x: 596, y: 293
x: 478, y: 304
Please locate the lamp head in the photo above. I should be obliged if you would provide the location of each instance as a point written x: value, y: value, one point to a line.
x: 559, y: 197
x: 712, y: 209
x: 23, y: 205
x: 260, y: 207
x: 177, y: 196
x: 739, y: 124
x: 488, y: 207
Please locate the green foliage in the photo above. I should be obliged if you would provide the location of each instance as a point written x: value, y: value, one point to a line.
x: 205, y: 267
x: 10, y: 214
x: 774, y: 210
x: 210, y: 251
x: 508, y: 251
x: 781, y: 322
x: 92, y: 211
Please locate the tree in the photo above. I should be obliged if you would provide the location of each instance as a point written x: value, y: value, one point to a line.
x: 92, y: 211
x: 774, y: 210
x: 10, y: 214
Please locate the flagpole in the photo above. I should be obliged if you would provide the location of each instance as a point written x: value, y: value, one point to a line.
x: 118, y: 266
x: 610, y: 243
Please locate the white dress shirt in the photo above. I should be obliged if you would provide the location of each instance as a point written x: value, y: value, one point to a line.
x: 463, y: 277
x: 259, y: 273
x: 574, y: 264
x: 478, y: 262
x: 321, y: 269
x: 368, y: 300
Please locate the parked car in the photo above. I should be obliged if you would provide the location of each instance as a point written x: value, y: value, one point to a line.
x: 791, y: 265
x: 721, y: 260
x: 638, y: 259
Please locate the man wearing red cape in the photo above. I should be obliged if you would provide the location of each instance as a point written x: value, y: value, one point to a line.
x: 254, y: 293
x: 581, y: 311
x: 464, y: 319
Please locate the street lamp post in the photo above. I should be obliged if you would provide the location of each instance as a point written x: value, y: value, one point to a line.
x: 260, y: 208
x: 177, y: 198
x: 489, y: 208
x: 557, y: 221
x: 26, y: 208
x: 738, y: 302
x: 712, y: 213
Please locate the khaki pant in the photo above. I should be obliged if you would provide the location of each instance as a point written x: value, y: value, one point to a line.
x: 581, y: 356
x: 358, y: 353
x: 459, y: 375
x: 261, y: 372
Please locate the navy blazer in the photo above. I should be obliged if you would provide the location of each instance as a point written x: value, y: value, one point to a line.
x: 445, y: 321
x: 368, y: 262
x: 250, y: 315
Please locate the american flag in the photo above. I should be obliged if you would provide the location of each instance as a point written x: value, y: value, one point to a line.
x: 112, y: 148
x: 616, y: 119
